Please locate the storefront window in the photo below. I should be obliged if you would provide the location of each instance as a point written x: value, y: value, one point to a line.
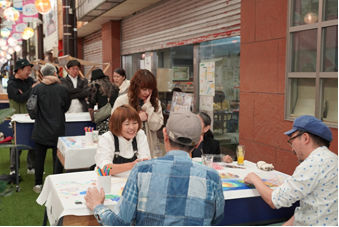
x: 329, y: 100
x: 219, y: 87
x: 302, y: 97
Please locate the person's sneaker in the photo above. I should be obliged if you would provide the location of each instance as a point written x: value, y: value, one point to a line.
x: 31, y: 171
x: 37, y: 188
x: 12, y: 172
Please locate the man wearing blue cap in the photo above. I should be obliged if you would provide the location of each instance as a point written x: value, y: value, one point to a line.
x: 314, y: 182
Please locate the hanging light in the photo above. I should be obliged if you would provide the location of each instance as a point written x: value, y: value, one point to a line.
x: 11, y: 14
x: 8, y: 56
x: 12, y: 41
x: 17, y: 48
x: 43, y: 6
x: 310, y: 18
x: 27, y: 33
x: 5, y: 32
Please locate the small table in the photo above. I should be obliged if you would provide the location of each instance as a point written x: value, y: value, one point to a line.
x: 74, y: 152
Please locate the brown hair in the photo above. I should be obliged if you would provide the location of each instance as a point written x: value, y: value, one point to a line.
x: 143, y: 79
x: 120, y: 114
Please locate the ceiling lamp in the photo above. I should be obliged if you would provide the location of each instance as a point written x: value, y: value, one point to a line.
x: 12, y: 42
x: 27, y: 33
x: 17, y: 48
x: 11, y: 14
x: 5, y: 32
x: 8, y: 56
x: 43, y: 6
x: 5, y: 3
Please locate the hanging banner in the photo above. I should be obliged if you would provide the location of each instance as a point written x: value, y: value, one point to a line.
x: 50, y: 28
x: 30, y: 13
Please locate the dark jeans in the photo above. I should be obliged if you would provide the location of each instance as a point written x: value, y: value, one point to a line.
x: 40, y: 156
x: 30, y: 159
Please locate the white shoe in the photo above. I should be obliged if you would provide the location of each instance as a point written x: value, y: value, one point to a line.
x: 37, y: 188
x: 12, y: 172
x: 31, y: 171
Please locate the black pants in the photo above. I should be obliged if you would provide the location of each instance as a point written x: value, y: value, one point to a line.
x: 40, y: 156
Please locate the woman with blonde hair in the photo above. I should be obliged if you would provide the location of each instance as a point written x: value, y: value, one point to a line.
x: 124, y: 144
x: 143, y: 97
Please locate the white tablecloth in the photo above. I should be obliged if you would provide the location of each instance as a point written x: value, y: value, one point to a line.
x: 60, y: 192
x: 77, y: 152
x: 63, y: 194
x: 70, y: 117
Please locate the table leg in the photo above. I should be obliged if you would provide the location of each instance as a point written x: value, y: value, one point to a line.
x: 44, y: 223
x: 16, y: 154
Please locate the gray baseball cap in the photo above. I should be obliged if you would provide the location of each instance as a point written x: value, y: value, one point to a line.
x: 184, y: 128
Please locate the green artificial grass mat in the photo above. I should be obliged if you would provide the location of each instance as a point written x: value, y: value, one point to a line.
x: 21, y: 208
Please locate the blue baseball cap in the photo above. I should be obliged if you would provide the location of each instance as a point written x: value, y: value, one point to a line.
x: 312, y: 125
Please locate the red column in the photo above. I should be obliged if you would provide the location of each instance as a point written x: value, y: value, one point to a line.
x: 110, y: 34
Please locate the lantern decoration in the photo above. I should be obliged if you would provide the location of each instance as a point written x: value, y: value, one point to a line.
x: 17, y: 48
x: 28, y: 33
x: 12, y: 41
x: 43, y: 6
x: 5, y: 4
x: 5, y: 32
x: 11, y: 14
x: 10, y: 50
x: 3, y: 42
x: 4, y: 47
x: 8, y: 56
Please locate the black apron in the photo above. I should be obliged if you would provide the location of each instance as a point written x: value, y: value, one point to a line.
x: 119, y: 159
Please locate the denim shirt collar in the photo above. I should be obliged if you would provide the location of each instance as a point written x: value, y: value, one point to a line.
x: 179, y: 154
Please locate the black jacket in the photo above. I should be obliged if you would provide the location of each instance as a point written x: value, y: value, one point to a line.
x: 208, y: 146
x: 80, y: 92
x: 24, y: 85
x: 53, y: 102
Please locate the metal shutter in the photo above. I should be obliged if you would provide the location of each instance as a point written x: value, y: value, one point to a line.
x: 93, y: 49
x: 180, y: 22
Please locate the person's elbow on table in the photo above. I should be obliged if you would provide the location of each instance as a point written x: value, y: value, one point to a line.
x: 94, y: 198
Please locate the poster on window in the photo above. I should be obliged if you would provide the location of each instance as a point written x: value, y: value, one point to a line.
x: 207, y: 78
x: 181, y: 73
x: 206, y: 103
x: 181, y: 102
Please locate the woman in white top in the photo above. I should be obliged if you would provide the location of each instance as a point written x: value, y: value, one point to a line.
x: 124, y: 144
x: 119, y: 79
x: 143, y: 97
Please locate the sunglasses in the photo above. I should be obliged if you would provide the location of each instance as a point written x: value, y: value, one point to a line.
x: 290, y: 140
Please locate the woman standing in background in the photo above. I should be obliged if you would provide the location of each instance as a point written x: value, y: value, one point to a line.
x: 143, y: 97
x: 102, y: 91
x: 119, y: 79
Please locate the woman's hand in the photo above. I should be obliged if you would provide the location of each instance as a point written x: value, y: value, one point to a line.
x: 227, y: 159
x: 93, y: 197
x: 143, y: 115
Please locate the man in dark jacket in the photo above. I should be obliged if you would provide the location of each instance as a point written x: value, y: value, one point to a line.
x: 19, y: 89
x: 77, y: 87
x: 53, y: 102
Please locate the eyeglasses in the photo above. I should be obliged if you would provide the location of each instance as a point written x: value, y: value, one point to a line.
x: 290, y: 140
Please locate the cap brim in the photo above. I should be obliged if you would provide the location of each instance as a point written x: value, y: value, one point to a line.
x: 290, y: 131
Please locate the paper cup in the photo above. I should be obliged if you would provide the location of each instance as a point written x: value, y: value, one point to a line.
x: 105, y: 183
x: 89, y: 138
x: 95, y: 136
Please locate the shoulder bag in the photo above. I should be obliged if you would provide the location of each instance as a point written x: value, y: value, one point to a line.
x: 103, y: 113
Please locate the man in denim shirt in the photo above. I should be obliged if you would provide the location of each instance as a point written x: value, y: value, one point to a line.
x: 171, y: 190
